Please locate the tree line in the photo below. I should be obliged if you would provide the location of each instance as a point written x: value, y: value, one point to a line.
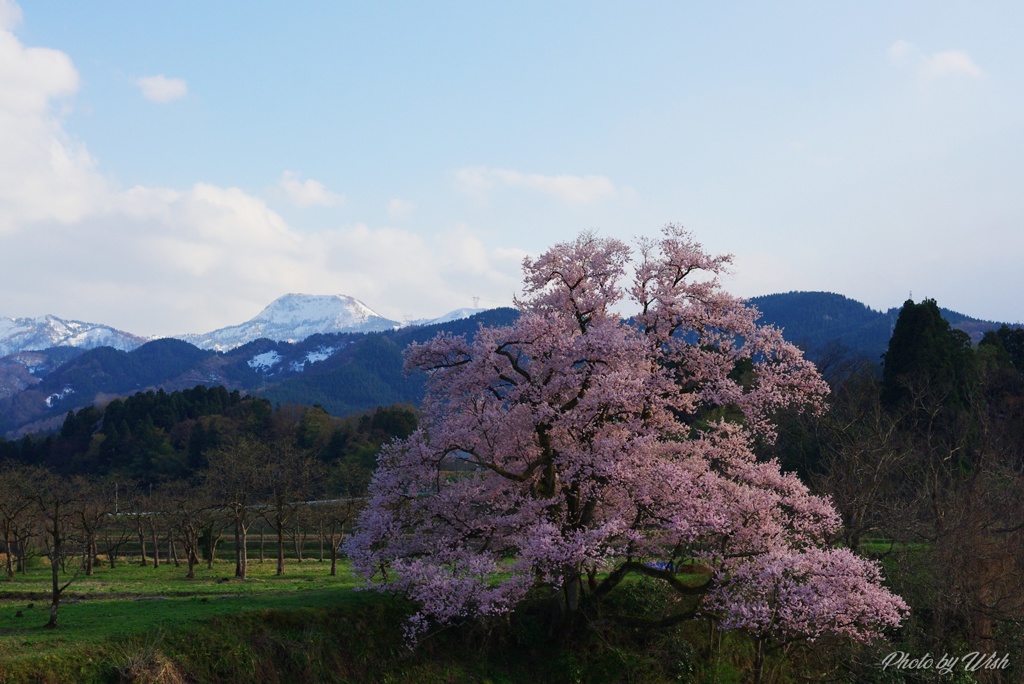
x: 172, y: 474
x: 923, y: 456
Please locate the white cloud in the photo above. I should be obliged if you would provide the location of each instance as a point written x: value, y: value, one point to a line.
x: 936, y: 65
x: 950, y: 63
x: 10, y: 15
x: 399, y: 209
x: 31, y: 78
x: 161, y: 89
x: 157, y: 261
x: 166, y: 261
x: 308, y: 193
x: 478, y: 181
x: 44, y: 174
x: 901, y: 50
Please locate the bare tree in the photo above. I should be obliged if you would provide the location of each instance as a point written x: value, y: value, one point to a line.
x: 141, y: 528
x: 237, y: 477
x: 15, y: 512
x: 213, y: 532
x: 289, y: 478
x: 334, y: 518
x: 866, y: 466
x: 56, y: 498
x: 189, y: 511
x: 120, y: 525
x: 91, y: 509
x: 944, y: 488
x: 155, y: 519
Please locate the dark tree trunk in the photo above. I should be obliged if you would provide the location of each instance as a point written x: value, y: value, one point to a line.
x: 21, y: 542
x: 758, y: 673
x: 241, y: 559
x: 9, y: 554
x: 320, y: 538
x: 298, y: 541
x: 112, y: 550
x: 156, y: 544
x: 191, y: 541
x: 55, y: 553
x: 212, y: 548
x: 89, y: 557
x: 280, y: 545
x: 566, y: 604
x: 142, y: 546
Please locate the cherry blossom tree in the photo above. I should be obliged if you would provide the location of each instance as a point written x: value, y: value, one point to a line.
x: 574, y: 449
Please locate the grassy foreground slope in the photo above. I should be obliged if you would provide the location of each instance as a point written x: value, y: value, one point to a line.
x: 145, y: 624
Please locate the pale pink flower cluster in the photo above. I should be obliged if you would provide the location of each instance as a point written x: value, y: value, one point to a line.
x: 807, y: 594
x: 597, y: 444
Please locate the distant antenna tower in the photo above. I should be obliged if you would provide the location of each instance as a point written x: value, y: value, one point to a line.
x: 407, y: 320
x: 476, y: 302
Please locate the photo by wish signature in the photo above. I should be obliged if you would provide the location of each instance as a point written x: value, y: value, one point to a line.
x: 946, y: 663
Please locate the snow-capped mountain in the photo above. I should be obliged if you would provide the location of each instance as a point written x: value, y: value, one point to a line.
x: 456, y: 315
x: 295, y: 317
x: 44, y: 332
x: 290, y: 318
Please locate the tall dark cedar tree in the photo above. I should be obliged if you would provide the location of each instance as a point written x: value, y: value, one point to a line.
x: 926, y: 357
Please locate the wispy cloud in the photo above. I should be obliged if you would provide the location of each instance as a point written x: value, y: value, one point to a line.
x: 479, y: 180
x: 308, y: 193
x: 935, y: 65
x: 399, y: 209
x: 161, y: 89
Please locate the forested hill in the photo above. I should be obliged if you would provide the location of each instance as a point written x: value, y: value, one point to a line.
x: 816, y: 320
x: 343, y: 372
x: 150, y: 437
x: 824, y: 321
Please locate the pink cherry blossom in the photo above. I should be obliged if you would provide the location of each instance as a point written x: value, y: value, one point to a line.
x: 593, y: 448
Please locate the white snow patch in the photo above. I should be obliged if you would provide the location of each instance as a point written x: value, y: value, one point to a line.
x: 321, y: 354
x: 53, y: 398
x: 265, y: 361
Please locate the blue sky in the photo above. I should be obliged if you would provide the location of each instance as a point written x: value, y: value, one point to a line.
x: 173, y: 167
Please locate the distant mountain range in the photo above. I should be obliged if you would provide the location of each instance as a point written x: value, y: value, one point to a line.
x: 328, y: 350
x: 295, y: 317
x: 290, y: 318
x: 33, y: 334
x: 343, y: 372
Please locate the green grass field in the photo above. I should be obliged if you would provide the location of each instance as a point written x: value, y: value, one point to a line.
x: 105, y: 612
x: 145, y: 624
